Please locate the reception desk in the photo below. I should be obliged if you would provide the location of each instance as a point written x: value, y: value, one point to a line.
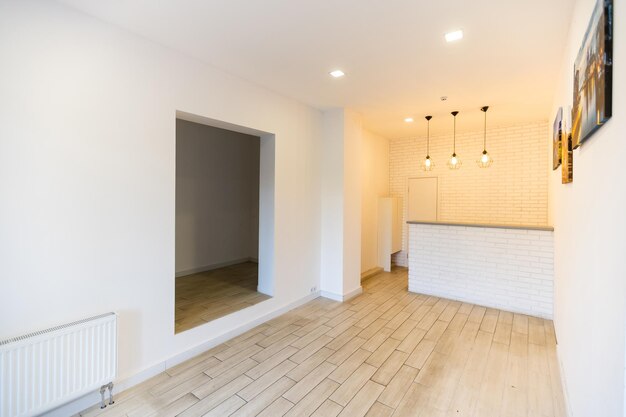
x: 510, y: 267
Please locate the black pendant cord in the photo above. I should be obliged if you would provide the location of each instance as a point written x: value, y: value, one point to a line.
x: 454, y: 113
x: 485, y: 134
x: 454, y: 138
x: 484, y: 110
x: 428, y: 135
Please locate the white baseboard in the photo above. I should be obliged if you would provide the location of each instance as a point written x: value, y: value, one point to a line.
x: 342, y: 297
x: 92, y: 400
x: 351, y: 294
x: 214, y: 266
x: 370, y: 273
x: 331, y: 295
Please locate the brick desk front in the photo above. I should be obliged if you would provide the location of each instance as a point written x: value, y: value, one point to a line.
x: 499, y: 266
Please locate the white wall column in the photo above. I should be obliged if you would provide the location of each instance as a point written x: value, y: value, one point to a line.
x: 340, y: 271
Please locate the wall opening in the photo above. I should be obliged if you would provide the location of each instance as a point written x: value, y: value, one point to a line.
x: 224, y: 219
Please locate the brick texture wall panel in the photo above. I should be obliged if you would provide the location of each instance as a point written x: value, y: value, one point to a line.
x: 509, y: 269
x: 514, y: 190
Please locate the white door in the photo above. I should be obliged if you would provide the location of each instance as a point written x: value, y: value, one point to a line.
x: 422, y: 199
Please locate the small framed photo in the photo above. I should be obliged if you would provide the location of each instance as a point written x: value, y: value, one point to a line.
x: 557, y: 139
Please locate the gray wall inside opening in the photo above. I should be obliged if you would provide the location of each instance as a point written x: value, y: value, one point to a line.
x: 217, y: 197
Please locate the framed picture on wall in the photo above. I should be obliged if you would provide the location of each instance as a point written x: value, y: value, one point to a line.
x: 557, y: 134
x: 593, y: 75
x: 567, y: 156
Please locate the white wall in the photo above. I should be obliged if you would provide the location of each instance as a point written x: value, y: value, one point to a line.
x: 590, y: 239
x: 331, y: 264
x: 340, y: 276
x: 217, y: 197
x: 514, y: 190
x: 353, y: 139
x: 374, y: 184
x: 87, y: 155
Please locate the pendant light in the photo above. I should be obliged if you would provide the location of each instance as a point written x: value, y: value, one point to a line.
x: 454, y: 162
x: 428, y: 164
x: 485, y: 160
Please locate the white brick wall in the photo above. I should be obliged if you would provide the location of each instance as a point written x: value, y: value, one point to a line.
x: 510, y: 269
x: 514, y: 190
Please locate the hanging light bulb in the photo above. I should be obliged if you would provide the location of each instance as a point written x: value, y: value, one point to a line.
x: 485, y: 160
x: 428, y: 164
x: 454, y: 162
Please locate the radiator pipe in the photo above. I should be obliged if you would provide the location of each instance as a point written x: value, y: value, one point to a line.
x: 110, y: 386
x: 102, y: 390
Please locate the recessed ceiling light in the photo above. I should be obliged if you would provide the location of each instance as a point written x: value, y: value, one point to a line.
x: 337, y: 73
x: 454, y: 36
x: 409, y: 120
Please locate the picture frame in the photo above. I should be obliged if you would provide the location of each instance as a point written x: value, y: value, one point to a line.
x: 557, y: 141
x: 593, y: 75
x: 567, y: 154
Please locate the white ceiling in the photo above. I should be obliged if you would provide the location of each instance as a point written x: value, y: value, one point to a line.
x: 396, y: 60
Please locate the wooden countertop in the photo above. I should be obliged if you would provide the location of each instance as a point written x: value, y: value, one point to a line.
x: 488, y: 225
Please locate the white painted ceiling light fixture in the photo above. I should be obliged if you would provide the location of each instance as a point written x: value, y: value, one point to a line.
x: 485, y: 160
x: 454, y: 36
x: 337, y: 73
x: 428, y: 164
x: 454, y: 162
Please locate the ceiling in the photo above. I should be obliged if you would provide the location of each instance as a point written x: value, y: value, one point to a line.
x: 393, y: 52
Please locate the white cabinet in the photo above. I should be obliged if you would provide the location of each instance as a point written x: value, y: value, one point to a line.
x: 389, y: 229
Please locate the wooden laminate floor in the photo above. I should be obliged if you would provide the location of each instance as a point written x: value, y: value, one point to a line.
x: 387, y: 352
x: 209, y: 295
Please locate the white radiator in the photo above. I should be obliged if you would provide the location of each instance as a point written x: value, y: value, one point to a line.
x: 43, y: 370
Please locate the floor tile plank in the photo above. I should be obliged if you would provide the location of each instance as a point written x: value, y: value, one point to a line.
x: 363, y: 400
x: 384, y: 353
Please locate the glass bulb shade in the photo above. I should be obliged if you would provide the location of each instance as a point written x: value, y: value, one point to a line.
x: 428, y: 164
x: 485, y: 160
x: 454, y: 162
